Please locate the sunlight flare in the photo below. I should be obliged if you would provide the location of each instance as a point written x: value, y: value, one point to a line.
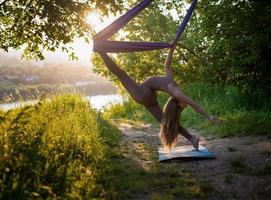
x: 98, y: 22
x: 94, y: 20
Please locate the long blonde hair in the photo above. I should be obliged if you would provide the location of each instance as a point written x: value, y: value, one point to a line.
x: 170, y: 123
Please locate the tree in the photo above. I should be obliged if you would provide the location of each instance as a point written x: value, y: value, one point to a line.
x: 48, y: 24
x: 156, y: 23
x: 237, y: 35
x: 227, y: 42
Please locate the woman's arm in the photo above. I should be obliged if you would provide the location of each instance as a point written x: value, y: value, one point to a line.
x: 168, y: 61
x: 184, y: 100
x: 195, y: 106
x: 199, y: 109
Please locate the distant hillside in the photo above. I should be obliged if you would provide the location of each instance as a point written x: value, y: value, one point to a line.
x: 26, y: 79
x: 48, y: 74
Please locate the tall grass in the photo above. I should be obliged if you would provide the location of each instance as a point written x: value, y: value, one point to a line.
x: 57, y: 149
x: 240, y: 114
x: 63, y: 149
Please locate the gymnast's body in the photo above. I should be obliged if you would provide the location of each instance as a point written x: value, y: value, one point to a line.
x: 145, y: 94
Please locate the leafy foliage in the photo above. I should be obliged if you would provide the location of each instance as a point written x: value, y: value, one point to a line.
x: 47, y: 24
x: 57, y: 149
x: 63, y: 149
x: 240, y: 114
x: 226, y: 42
x: 238, y: 42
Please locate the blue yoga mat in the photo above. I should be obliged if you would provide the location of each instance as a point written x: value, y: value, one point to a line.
x: 185, y: 153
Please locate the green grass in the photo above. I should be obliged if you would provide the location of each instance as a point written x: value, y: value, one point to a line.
x: 240, y: 114
x: 129, y: 180
x: 63, y: 149
x: 55, y: 149
x: 128, y: 111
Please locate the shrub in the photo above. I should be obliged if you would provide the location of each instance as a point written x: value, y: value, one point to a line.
x: 54, y: 149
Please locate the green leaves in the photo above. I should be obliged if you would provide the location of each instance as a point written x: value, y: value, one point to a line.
x: 156, y: 23
x: 48, y: 24
x: 238, y: 40
x: 226, y: 42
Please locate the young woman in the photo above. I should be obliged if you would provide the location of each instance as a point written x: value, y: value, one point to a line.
x: 145, y: 94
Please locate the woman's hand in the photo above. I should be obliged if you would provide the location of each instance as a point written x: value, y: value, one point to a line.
x: 173, y: 45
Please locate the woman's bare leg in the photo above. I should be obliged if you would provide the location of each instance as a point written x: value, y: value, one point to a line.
x: 156, y: 112
x: 135, y: 91
x: 128, y: 83
x: 192, y: 138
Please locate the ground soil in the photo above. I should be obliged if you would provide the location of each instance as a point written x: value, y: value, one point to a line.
x: 240, y: 171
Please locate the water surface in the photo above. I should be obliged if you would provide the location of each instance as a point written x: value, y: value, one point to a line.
x: 98, y: 102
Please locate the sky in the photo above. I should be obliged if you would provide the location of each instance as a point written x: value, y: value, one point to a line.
x: 82, y: 49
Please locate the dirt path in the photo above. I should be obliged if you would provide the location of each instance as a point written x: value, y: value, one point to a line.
x: 242, y: 169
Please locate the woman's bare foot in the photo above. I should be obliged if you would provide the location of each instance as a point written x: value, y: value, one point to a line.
x: 195, y: 142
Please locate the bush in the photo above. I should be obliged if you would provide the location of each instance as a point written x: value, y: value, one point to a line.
x: 54, y: 149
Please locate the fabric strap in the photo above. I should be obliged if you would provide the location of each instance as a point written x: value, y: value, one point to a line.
x: 101, y: 44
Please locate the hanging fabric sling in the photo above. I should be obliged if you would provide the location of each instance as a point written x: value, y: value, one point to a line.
x: 101, y: 44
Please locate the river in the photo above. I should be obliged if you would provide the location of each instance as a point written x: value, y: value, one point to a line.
x: 98, y: 102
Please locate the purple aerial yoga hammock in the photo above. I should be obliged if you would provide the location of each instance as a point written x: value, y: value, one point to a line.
x: 101, y: 44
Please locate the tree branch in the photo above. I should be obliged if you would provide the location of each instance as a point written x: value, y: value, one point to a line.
x: 191, y: 51
x: 184, y: 57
